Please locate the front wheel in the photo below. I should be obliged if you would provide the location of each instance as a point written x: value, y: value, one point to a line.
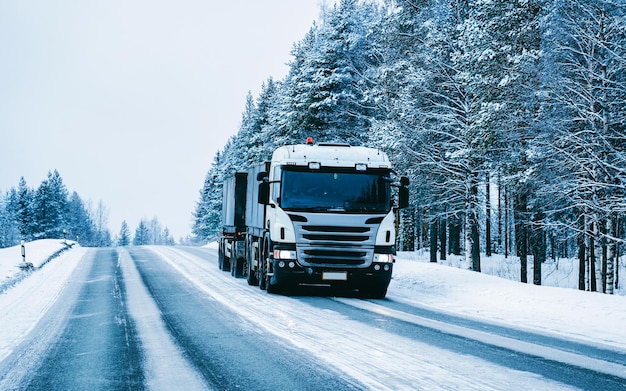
x: 263, y: 272
x: 252, y: 276
x: 373, y: 292
x: 271, y: 288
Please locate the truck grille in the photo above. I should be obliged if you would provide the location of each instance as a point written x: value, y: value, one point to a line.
x: 350, y: 244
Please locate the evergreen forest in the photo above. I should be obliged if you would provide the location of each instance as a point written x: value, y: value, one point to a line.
x: 509, y: 117
x: 50, y: 212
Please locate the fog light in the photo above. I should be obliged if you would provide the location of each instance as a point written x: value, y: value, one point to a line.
x: 386, y: 268
x: 376, y: 267
x: 281, y: 264
x: 292, y: 264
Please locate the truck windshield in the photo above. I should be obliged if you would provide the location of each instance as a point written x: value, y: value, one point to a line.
x: 337, y: 190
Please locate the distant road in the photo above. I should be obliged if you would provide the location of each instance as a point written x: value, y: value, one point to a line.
x: 167, y: 318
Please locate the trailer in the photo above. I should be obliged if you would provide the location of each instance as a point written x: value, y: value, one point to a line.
x: 315, y: 214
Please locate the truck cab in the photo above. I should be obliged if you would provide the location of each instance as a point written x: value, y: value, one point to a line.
x: 328, y: 218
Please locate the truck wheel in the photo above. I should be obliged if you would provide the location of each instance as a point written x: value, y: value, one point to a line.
x: 225, y: 264
x: 238, y: 268
x: 252, y: 277
x: 263, y: 274
x: 220, y: 257
x: 263, y: 278
x: 263, y: 269
x: 271, y: 288
x: 373, y: 292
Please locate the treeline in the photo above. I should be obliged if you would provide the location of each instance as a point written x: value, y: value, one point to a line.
x: 50, y: 212
x: 147, y: 232
x: 507, y: 115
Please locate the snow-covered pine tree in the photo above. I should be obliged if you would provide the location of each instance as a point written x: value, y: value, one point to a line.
x: 9, y: 234
x: 208, y: 211
x: 124, y: 235
x: 142, y: 234
x: 80, y: 227
x: 21, y: 205
x: 49, y: 207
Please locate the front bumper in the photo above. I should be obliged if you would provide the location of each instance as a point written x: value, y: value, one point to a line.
x: 289, y: 273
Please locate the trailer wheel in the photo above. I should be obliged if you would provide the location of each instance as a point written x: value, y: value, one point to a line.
x: 237, y: 268
x: 220, y: 255
x: 224, y: 260
x: 226, y: 264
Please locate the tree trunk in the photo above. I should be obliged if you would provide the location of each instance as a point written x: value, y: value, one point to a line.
x: 473, y: 225
x: 581, y: 253
x: 618, y: 234
x: 507, y: 224
x: 408, y: 230
x: 539, y: 246
x: 487, y: 218
x: 454, y: 225
x: 593, y: 284
x: 443, y: 239
x: 499, y: 240
x: 434, y: 230
x: 611, y: 251
x: 521, y: 241
x: 604, y: 250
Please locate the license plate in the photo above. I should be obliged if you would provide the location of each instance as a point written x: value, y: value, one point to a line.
x: 336, y: 276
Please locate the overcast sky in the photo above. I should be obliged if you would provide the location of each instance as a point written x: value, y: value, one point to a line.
x: 130, y: 99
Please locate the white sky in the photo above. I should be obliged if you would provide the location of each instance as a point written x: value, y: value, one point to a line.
x: 130, y: 99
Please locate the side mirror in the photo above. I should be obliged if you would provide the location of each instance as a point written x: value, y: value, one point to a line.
x: 404, y: 181
x: 403, y: 197
x: 264, y: 193
x: 261, y: 176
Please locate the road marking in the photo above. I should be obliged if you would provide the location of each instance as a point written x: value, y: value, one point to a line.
x: 166, y: 368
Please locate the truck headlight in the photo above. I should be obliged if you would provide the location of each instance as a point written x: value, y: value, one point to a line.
x: 383, y: 258
x: 284, y: 254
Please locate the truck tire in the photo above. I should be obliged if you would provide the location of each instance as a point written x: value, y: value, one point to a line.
x: 237, y: 268
x: 264, y: 262
x: 373, y: 292
x: 271, y: 288
x: 220, y: 256
x: 252, y: 277
x: 226, y: 264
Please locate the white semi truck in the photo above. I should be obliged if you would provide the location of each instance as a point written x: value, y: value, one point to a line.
x: 316, y: 214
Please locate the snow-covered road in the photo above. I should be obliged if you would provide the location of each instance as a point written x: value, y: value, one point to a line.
x: 385, y: 348
x: 199, y: 328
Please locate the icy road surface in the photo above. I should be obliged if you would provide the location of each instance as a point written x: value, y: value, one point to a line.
x: 167, y: 318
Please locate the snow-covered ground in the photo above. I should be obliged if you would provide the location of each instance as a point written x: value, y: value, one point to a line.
x: 498, y: 298
x: 593, y: 317
x: 36, y: 254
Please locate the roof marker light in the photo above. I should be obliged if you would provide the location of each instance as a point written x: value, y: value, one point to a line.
x: 309, y: 141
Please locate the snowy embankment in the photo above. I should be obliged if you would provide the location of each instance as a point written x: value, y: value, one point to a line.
x: 30, y: 294
x: 35, y: 254
x: 446, y: 286
x: 593, y: 317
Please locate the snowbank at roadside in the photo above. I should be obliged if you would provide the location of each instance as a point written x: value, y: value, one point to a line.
x: 36, y: 253
x: 580, y: 315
